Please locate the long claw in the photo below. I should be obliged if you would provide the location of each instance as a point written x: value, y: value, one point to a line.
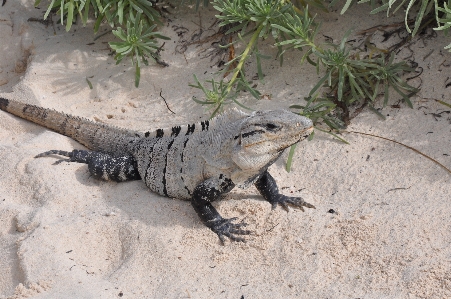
x: 309, y: 205
x: 222, y: 239
x: 284, y: 206
x: 61, y: 161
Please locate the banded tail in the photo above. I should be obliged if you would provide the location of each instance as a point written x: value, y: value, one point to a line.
x: 95, y: 136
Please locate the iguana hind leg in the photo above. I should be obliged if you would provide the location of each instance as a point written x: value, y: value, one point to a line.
x: 208, y: 191
x: 267, y: 187
x: 101, y: 165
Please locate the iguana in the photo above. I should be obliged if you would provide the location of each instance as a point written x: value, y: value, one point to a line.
x: 196, y: 162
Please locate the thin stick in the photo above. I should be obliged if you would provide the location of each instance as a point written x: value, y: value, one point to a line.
x: 166, y: 102
x: 409, y: 147
x: 102, y: 34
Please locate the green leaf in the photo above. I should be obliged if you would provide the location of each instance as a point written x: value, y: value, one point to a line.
x: 120, y: 11
x: 137, y: 75
x: 259, y: 67
x: 70, y: 15
x: 201, y: 102
x: 49, y: 9
x: 136, y: 7
x: 341, y: 81
x: 281, y: 28
x: 97, y: 23
x: 404, y: 96
x: 290, y: 157
x: 241, y: 105
x: 346, y: 6
x: 386, y: 93
x: 444, y: 103
x: 374, y: 110
x: 379, y: 9
x: 376, y: 90
x: 120, y: 34
x: 62, y: 12
x: 356, y: 86
x: 309, y: 60
x: 333, y: 134
x: 296, y: 107
x: 242, y: 82
x: 158, y: 35
x: 84, y: 18
x: 419, y: 18
x: 99, y: 5
x: 89, y: 83
x: 319, y: 84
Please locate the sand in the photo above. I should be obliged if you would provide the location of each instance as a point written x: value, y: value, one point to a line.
x: 64, y: 234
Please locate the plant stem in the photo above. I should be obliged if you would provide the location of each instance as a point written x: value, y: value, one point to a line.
x: 243, y: 57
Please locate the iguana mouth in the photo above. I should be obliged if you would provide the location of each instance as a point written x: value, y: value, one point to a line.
x: 309, y: 130
x: 301, y: 137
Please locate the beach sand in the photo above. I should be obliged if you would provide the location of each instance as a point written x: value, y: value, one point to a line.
x: 64, y: 234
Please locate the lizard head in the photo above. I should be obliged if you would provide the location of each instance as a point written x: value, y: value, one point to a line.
x: 266, y: 134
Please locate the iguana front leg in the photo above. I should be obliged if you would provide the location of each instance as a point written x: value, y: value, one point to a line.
x: 208, y: 191
x: 101, y: 165
x: 267, y: 187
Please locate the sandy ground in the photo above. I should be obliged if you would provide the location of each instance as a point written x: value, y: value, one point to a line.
x: 64, y: 234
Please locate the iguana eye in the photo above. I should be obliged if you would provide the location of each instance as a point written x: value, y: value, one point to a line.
x: 270, y: 126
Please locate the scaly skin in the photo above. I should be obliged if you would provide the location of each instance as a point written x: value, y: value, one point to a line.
x: 196, y: 162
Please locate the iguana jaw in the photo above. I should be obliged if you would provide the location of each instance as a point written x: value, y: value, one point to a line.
x: 297, y: 137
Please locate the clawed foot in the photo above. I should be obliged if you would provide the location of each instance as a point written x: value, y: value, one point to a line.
x: 284, y: 201
x: 225, y: 228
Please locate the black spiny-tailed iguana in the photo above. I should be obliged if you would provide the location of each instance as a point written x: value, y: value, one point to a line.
x: 197, y: 162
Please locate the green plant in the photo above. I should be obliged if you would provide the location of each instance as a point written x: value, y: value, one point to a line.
x: 113, y: 11
x: 138, y: 38
x: 348, y: 77
x: 253, y: 20
x: 351, y: 79
x: 418, y: 8
x: 136, y: 43
x: 444, y: 22
x: 218, y: 96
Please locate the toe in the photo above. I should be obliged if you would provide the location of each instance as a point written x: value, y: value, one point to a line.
x: 237, y: 239
x: 240, y: 231
x: 309, y: 205
x: 222, y: 239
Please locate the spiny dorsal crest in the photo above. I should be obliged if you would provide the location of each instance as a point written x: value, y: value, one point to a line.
x: 216, y: 122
